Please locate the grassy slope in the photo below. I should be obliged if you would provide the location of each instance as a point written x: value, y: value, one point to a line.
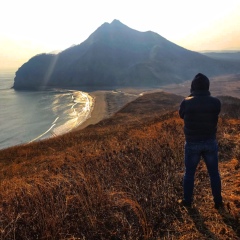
x: 119, y: 179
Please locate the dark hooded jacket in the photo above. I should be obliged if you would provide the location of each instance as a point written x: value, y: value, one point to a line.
x: 200, y: 111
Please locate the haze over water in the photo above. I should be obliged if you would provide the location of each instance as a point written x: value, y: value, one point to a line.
x: 27, y: 116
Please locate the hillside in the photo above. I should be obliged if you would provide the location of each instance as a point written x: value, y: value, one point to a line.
x: 120, y: 179
x: 116, y: 56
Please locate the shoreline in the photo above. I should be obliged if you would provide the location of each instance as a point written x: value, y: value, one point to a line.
x: 98, y: 110
x: 107, y: 102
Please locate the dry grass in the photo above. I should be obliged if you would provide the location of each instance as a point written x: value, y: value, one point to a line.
x: 119, y: 179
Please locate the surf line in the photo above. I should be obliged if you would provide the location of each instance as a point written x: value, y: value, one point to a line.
x: 55, y: 120
x: 86, y: 109
x: 53, y: 124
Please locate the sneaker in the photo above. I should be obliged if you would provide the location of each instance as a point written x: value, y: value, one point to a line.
x: 219, y: 205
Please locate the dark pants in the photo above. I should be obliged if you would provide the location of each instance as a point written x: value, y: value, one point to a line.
x: 193, y: 152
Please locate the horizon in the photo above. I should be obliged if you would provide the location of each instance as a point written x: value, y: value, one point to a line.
x: 33, y: 28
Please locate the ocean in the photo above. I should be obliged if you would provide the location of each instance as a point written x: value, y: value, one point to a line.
x: 27, y: 116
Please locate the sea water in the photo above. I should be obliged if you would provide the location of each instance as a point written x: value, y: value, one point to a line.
x: 27, y: 116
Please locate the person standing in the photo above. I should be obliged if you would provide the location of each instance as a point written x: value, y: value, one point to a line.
x: 200, y: 114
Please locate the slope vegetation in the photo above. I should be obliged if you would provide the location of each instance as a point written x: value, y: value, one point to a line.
x: 119, y: 179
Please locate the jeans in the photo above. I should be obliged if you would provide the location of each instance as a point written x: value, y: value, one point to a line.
x: 208, y: 150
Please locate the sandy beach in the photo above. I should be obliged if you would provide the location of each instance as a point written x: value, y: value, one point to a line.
x: 106, y: 103
x: 98, y: 111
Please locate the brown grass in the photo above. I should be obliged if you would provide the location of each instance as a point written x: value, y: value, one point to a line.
x: 119, y: 179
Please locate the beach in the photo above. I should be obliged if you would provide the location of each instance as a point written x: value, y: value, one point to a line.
x: 98, y: 111
x: 106, y: 103
x: 29, y: 116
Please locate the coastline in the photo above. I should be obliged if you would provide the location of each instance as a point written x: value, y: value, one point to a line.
x: 106, y: 103
x: 98, y: 111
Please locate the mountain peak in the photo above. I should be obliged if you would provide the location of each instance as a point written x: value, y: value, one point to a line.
x: 116, y: 22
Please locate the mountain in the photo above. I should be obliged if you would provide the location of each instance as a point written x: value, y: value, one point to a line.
x: 116, y: 55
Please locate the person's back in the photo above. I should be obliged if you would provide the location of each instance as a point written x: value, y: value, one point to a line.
x: 200, y: 113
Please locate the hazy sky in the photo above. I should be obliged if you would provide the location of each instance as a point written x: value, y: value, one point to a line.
x: 30, y: 27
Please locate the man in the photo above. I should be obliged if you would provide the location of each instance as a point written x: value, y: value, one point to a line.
x: 200, y: 113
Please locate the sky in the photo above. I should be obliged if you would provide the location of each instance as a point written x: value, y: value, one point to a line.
x: 30, y: 27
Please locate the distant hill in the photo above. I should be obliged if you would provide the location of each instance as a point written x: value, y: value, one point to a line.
x: 116, y: 55
x: 226, y: 55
